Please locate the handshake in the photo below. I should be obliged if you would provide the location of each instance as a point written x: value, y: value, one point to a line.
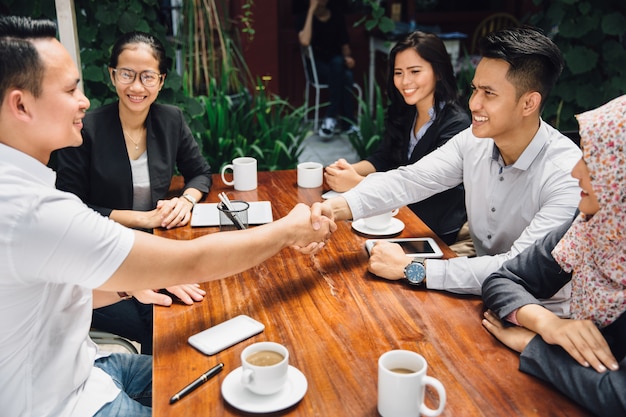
x: 312, y: 226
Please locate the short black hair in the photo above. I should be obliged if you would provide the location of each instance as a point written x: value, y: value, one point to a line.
x: 140, y: 37
x: 535, y: 61
x: 20, y: 64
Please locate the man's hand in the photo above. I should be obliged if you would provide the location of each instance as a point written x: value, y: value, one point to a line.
x: 308, y: 237
x: 187, y: 293
x: 388, y: 260
x: 341, y: 176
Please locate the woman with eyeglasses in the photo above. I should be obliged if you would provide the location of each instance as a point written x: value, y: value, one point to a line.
x: 124, y: 167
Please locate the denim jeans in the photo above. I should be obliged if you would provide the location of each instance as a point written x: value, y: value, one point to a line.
x: 133, y: 375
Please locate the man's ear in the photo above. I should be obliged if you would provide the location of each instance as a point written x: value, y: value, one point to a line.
x: 17, y: 103
x: 531, y: 102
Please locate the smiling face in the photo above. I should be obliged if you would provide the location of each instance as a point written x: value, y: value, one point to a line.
x: 414, y: 78
x: 496, y: 109
x: 588, y: 200
x: 136, y: 97
x: 60, y: 108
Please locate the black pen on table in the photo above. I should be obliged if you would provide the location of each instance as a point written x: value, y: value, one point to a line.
x: 195, y: 384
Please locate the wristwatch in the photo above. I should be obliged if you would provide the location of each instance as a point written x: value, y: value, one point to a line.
x: 190, y: 198
x: 415, y: 272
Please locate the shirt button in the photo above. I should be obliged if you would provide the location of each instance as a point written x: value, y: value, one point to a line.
x: 493, y: 209
x: 501, y: 178
x: 488, y: 236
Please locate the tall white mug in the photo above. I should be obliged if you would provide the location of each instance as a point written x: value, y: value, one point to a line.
x: 402, y: 381
x: 244, y: 173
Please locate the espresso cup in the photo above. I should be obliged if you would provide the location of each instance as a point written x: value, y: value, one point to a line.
x: 310, y: 174
x: 402, y: 381
x: 265, y: 366
x: 381, y: 221
x: 244, y: 173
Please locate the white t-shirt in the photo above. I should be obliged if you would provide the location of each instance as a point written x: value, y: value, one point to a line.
x: 508, y: 207
x: 53, y: 251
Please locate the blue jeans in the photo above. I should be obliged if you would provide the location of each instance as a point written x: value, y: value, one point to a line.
x: 133, y: 375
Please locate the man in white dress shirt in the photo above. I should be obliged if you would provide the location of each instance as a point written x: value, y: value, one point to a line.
x: 514, y: 166
x: 59, y: 259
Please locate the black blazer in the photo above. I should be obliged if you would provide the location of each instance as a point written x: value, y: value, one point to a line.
x: 445, y: 212
x: 99, y: 171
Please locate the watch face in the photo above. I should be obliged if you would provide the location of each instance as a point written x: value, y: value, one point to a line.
x: 415, y: 273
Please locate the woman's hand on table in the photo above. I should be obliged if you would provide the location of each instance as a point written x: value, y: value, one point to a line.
x: 341, y: 176
x: 582, y: 340
x: 175, y: 212
x: 388, y: 260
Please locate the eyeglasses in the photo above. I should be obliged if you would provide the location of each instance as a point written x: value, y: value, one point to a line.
x: 128, y: 76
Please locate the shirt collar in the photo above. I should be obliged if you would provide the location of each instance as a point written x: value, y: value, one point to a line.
x: 531, y: 152
x: 26, y: 163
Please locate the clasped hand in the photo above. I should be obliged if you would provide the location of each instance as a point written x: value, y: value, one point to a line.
x: 341, y: 176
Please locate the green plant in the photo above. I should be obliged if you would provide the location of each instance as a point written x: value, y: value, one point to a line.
x: 211, y: 46
x: 259, y: 125
x: 376, y: 18
x: 591, y: 37
x: 371, y: 124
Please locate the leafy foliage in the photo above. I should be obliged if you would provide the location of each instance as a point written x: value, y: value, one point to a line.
x: 371, y: 124
x: 260, y: 125
x: 591, y: 36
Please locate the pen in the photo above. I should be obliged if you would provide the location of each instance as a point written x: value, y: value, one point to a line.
x: 229, y: 210
x: 195, y: 384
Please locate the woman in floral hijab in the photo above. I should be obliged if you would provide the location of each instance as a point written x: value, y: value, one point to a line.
x: 583, y: 356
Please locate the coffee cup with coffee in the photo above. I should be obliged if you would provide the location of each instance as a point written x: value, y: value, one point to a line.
x: 310, y: 174
x: 264, y: 367
x: 402, y: 381
x: 380, y: 221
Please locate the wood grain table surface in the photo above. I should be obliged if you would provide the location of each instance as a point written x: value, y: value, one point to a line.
x: 336, y: 319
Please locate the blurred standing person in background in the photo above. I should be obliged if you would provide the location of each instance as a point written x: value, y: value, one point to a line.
x: 324, y: 29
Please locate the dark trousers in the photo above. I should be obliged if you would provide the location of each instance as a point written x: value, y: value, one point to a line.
x: 340, y: 80
x: 128, y: 318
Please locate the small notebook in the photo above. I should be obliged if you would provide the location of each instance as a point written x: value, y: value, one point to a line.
x: 206, y: 214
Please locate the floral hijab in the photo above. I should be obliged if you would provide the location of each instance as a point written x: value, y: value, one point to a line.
x: 594, y: 249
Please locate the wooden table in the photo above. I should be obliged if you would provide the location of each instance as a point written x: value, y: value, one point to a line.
x: 336, y: 319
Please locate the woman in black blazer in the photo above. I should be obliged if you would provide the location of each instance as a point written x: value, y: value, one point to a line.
x: 423, y: 114
x: 124, y: 167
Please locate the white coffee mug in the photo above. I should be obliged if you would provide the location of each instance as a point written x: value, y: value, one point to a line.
x: 264, y: 367
x: 380, y: 221
x: 244, y: 173
x: 402, y: 381
x: 310, y: 174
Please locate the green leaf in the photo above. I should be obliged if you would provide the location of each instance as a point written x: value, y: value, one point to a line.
x: 614, y: 24
x: 580, y: 59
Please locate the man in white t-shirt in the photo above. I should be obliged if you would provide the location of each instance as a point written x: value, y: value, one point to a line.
x: 59, y: 259
x: 515, y: 169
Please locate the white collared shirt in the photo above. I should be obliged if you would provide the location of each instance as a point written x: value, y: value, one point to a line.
x: 508, y: 207
x: 53, y: 251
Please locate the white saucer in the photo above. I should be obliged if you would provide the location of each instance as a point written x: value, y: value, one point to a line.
x: 330, y: 194
x: 245, y: 400
x: 396, y: 226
